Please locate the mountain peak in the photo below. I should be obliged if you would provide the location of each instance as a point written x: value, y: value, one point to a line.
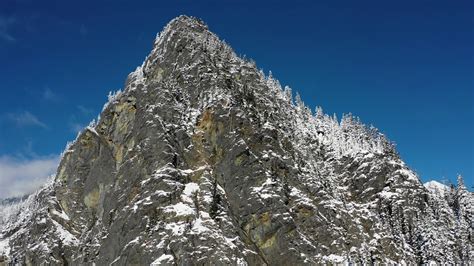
x: 203, y: 160
x: 436, y: 187
x: 183, y: 41
x: 189, y: 23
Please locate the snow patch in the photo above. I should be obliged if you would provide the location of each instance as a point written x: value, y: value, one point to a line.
x: 180, y: 209
x: 65, y: 236
x: 334, y: 258
x: 61, y: 214
x: 176, y: 228
x: 198, y: 227
x: 189, y: 190
x: 165, y: 258
x: 387, y: 194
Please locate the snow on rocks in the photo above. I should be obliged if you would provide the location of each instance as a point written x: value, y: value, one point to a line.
x: 180, y: 209
x: 163, y: 259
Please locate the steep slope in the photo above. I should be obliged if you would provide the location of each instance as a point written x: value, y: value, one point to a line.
x: 204, y: 160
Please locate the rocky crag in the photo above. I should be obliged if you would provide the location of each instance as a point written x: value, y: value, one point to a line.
x: 203, y: 160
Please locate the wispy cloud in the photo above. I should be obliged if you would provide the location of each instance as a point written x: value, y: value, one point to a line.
x: 50, y: 95
x: 5, y: 25
x: 85, y: 110
x: 24, y: 119
x: 76, y: 121
x: 21, y: 176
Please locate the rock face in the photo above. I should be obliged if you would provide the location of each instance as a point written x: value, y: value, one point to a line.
x: 202, y: 160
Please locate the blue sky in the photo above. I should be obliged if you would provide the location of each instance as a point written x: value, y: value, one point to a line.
x: 406, y: 67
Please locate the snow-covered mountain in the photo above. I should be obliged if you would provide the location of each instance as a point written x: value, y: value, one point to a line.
x: 437, y: 188
x: 203, y: 160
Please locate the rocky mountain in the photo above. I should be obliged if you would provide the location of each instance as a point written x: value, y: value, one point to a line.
x: 204, y: 160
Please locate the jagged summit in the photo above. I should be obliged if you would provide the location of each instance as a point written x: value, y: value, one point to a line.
x: 185, y: 23
x: 183, y: 27
x: 202, y: 159
x: 184, y: 38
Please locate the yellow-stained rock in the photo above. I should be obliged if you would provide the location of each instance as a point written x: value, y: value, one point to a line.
x: 304, y: 211
x: 61, y: 174
x: 268, y: 242
x: 265, y: 218
x: 64, y: 206
x: 91, y: 200
x: 239, y: 159
x: 157, y: 74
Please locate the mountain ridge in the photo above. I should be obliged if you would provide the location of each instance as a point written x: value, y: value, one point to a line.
x: 204, y: 159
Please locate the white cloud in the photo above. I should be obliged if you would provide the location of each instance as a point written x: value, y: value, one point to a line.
x: 19, y: 176
x: 5, y: 24
x: 49, y: 95
x: 85, y: 110
x: 25, y: 118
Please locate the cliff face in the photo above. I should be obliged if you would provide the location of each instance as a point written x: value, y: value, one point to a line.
x: 204, y: 160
